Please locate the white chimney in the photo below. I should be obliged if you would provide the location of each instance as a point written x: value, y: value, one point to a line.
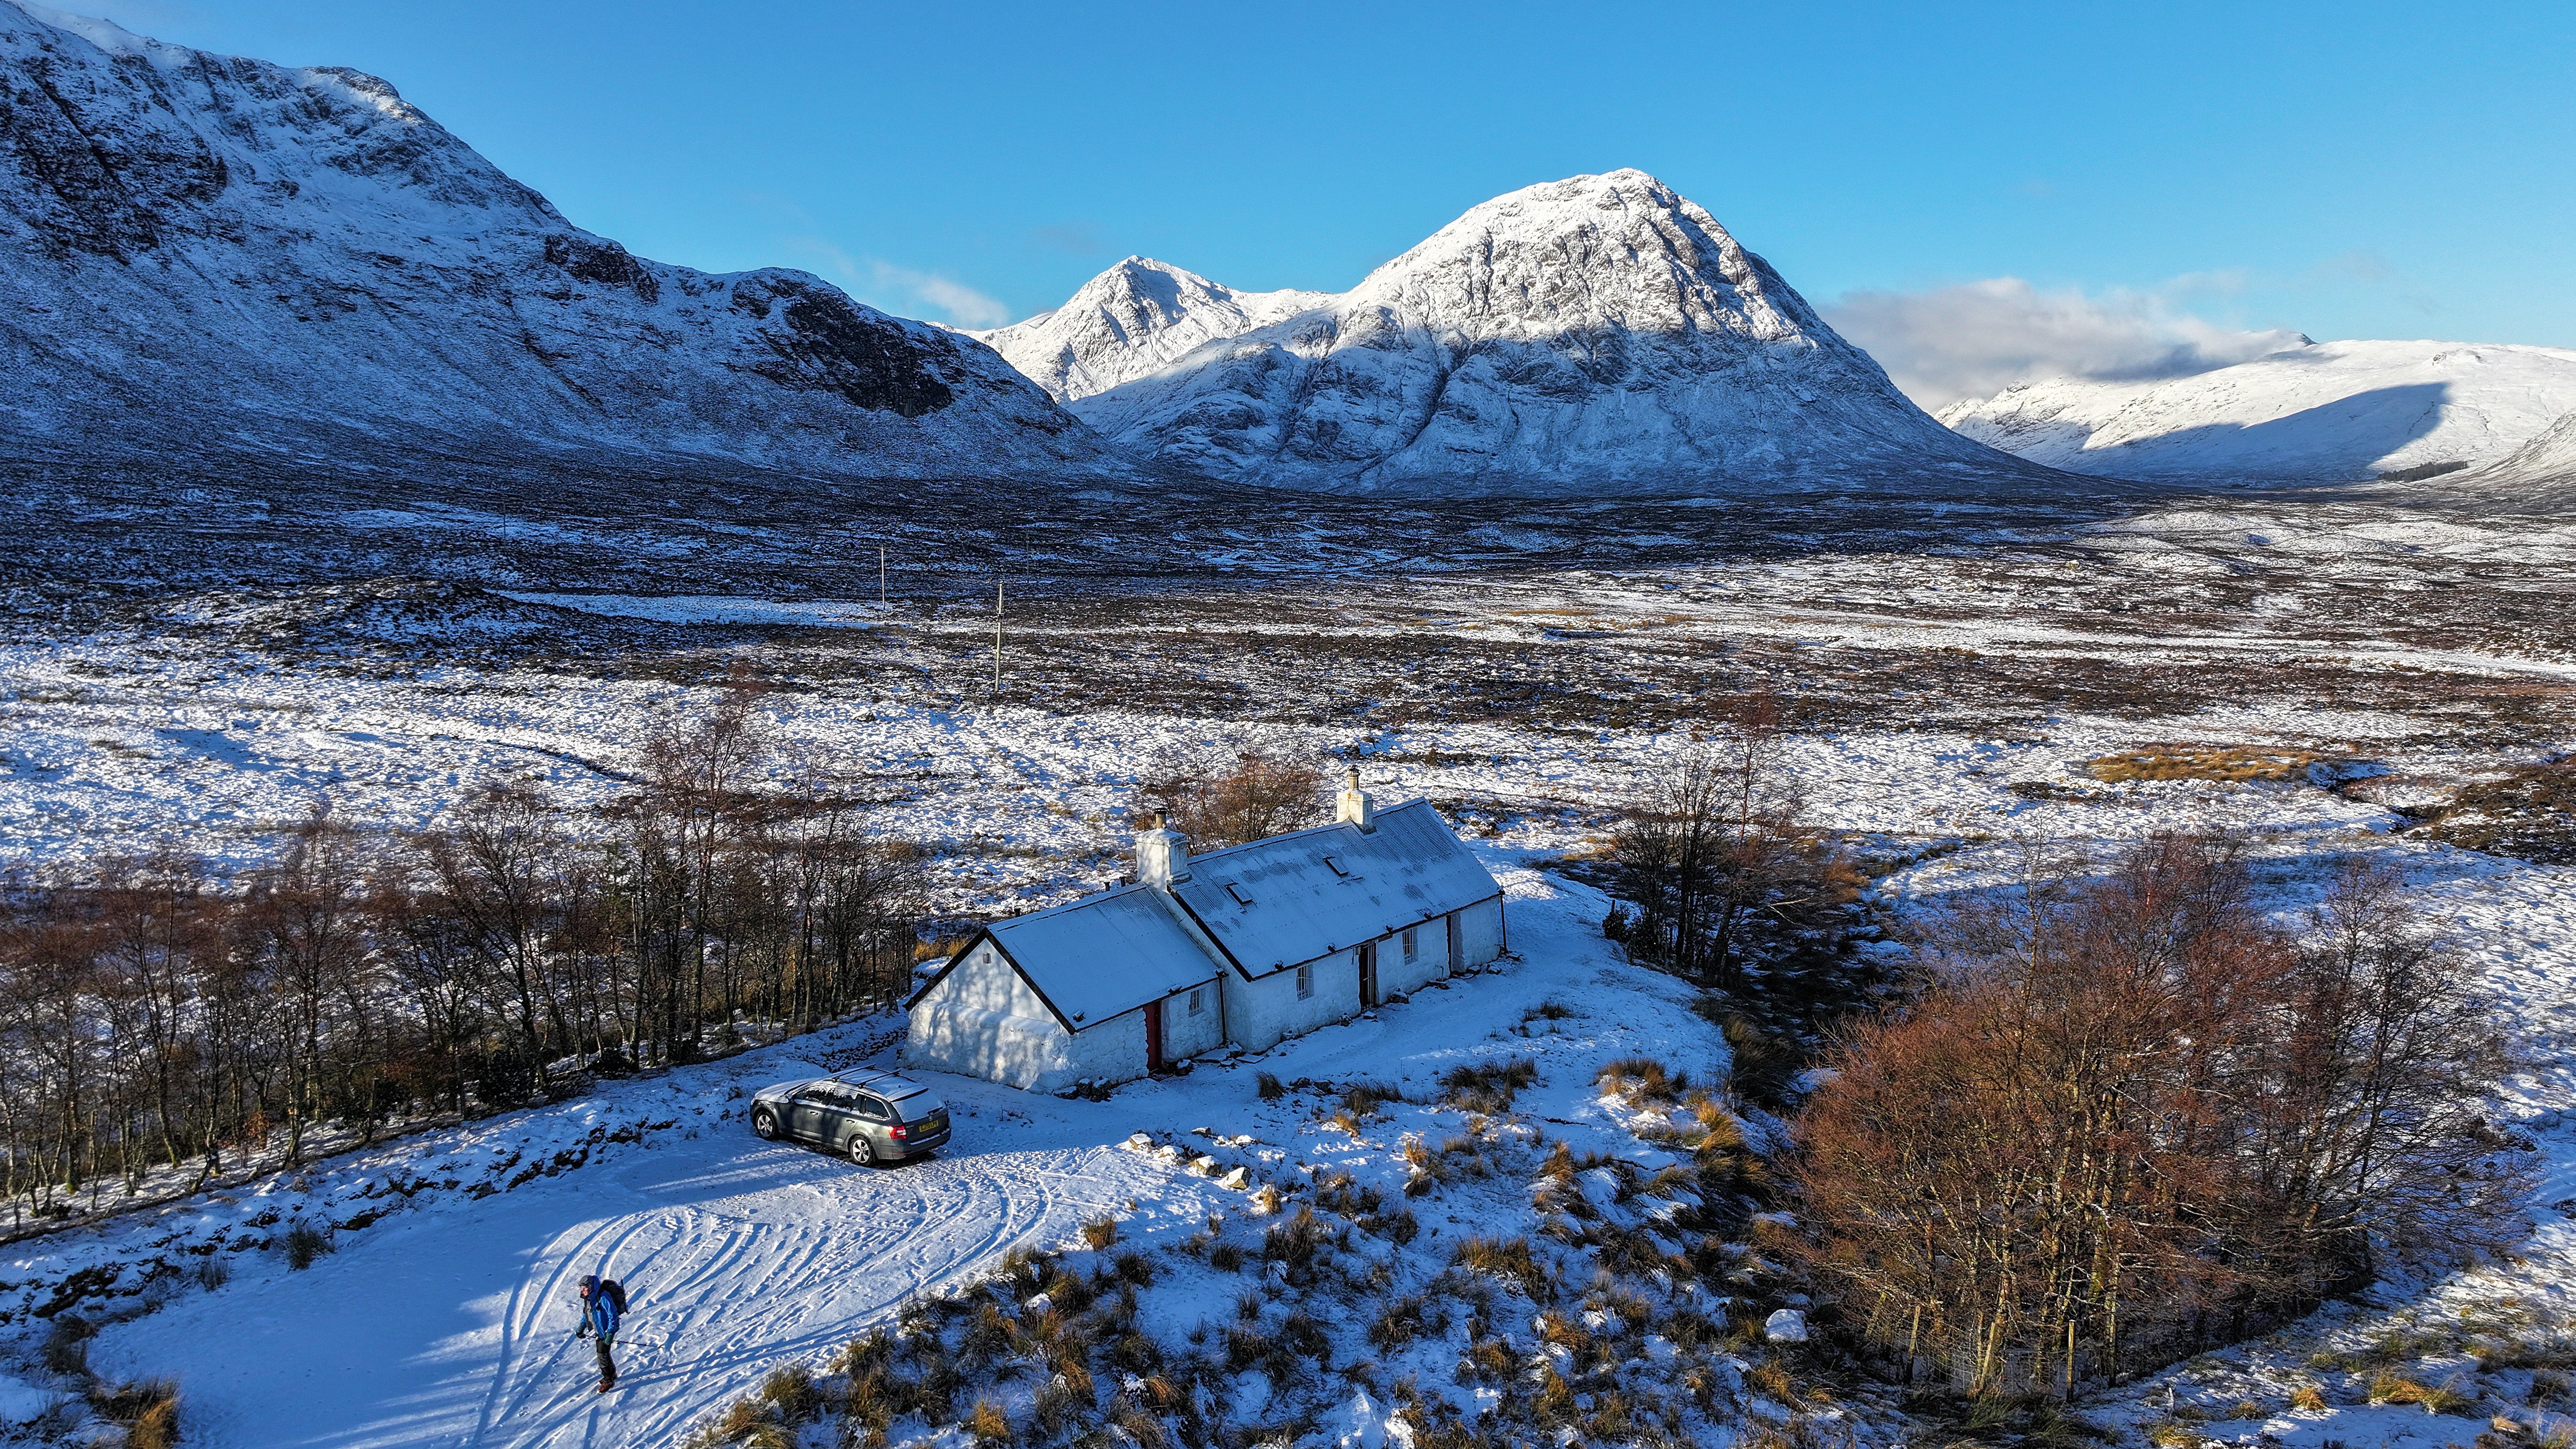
x: 1162, y: 856
x: 1354, y: 805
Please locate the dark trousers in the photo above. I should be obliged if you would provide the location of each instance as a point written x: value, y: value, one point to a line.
x: 607, y: 1365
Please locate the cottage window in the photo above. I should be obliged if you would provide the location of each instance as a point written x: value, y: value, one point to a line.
x: 1305, y: 981
x: 1412, y: 943
x: 1198, y: 999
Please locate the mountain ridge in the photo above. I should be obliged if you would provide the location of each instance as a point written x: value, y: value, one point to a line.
x: 221, y: 254
x: 1600, y: 331
x: 2328, y: 412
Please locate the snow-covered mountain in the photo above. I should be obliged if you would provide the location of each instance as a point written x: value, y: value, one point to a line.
x: 2549, y: 459
x: 1599, y: 332
x: 1133, y: 321
x: 212, y: 254
x: 2326, y: 412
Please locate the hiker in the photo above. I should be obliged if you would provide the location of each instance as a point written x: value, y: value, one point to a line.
x: 603, y: 1303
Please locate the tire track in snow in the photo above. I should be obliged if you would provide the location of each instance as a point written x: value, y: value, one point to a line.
x: 518, y: 1326
x: 794, y: 1270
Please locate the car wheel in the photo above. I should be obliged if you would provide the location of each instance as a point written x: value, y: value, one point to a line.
x: 764, y: 1125
x: 862, y: 1151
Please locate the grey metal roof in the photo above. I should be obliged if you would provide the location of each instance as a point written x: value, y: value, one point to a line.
x: 1408, y: 870
x: 1097, y: 957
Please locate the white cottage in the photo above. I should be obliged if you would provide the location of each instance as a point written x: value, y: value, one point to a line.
x: 1241, y: 947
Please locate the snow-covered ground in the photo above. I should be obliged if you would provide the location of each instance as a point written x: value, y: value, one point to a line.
x: 446, y: 1314
x: 2402, y: 647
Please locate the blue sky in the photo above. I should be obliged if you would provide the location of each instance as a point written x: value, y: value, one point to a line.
x: 2134, y: 176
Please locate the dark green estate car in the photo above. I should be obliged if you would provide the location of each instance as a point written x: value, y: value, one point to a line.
x: 868, y: 1117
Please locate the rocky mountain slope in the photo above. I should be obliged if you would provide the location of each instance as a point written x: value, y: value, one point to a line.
x: 1599, y: 333
x: 205, y: 254
x: 2326, y: 412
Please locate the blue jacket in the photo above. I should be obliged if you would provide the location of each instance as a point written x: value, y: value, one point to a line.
x: 599, y: 1309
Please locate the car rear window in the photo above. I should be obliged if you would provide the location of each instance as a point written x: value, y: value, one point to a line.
x: 914, y: 1109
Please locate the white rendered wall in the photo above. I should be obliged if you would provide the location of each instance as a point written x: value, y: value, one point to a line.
x: 1022, y: 1051
x: 1017, y: 1051
x: 985, y: 982
x: 1263, y: 1012
x: 1108, y: 1051
x: 1431, y: 941
x: 982, y: 1020
x: 1187, y: 1036
x: 1480, y: 932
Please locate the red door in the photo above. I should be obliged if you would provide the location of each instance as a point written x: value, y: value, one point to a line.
x: 1368, y: 976
x: 1153, y: 1036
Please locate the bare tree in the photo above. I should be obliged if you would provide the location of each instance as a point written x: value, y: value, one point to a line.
x: 1220, y: 801
x: 308, y: 911
x: 1715, y: 851
x: 500, y: 873
x: 2381, y: 1141
x: 2130, y: 1118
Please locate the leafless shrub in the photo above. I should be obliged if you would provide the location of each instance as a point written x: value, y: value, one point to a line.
x: 1219, y: 802
x: 2234, y: 1116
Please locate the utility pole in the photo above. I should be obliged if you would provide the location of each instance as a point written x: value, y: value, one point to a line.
x: 881, y: 588
x: 997, y: 636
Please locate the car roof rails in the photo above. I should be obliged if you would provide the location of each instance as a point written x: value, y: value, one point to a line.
x: 871, y: 1078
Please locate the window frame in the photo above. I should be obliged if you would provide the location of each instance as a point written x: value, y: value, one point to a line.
x: 1306, y: 981
x: 1197, y: 1006
x: 1413, y: 943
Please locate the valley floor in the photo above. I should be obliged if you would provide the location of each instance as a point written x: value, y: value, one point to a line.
x: 2361, y: 668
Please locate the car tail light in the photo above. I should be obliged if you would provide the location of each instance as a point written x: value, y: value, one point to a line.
x: 899, y: 1132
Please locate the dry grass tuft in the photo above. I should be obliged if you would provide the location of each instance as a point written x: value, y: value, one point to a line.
x: 2231, y: 764
x: 1488, y: 1087
x: 304, y: 1243
x: 1644, y: 1080
x: 145, y: 1407
x: 1511, y: 1260
x: 987, y: 1424
x: 791, y: 1394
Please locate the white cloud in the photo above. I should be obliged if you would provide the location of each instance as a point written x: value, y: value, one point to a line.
x: 901, y: 290
x: 1977, y: 338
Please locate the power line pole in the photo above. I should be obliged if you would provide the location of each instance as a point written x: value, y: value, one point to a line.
x: 881, y: 588
x: 997, y: 636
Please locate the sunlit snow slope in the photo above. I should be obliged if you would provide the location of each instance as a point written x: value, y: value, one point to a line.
x: 2547, y: 462
x: 199, y: 252
x: 2326, y: 412
x: 1597, y: 332
x: 1133, y: 321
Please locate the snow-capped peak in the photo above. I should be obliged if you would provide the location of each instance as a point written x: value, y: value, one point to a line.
x: 1131, y: 321
x: 1595, y: 331
x: 1620, y: 249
